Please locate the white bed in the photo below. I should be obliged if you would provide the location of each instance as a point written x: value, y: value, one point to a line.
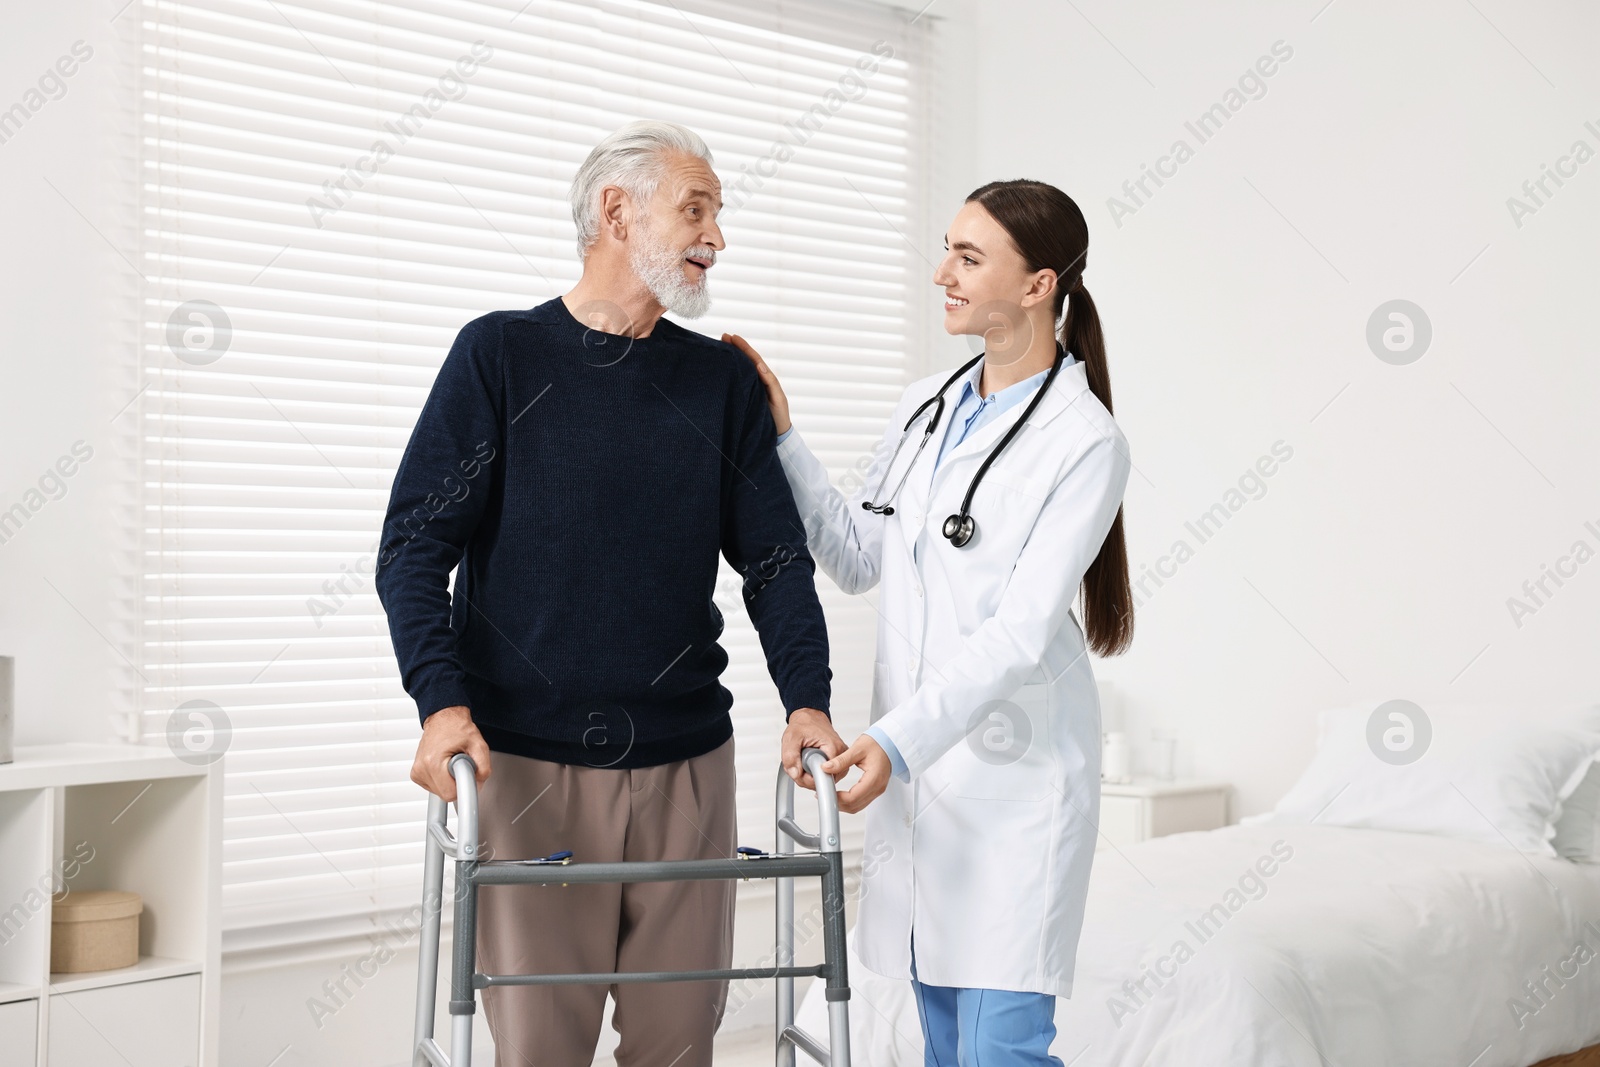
x: 1362, y: 948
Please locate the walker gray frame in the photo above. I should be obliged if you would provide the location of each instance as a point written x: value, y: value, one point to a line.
x: 825, y: 861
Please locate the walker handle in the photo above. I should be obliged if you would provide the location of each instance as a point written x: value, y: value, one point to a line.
x: 827, y: 837
x: 466, y: 775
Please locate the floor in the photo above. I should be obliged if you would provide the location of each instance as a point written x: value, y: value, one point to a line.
x: 747, y: 1047
x: 745, y: 1040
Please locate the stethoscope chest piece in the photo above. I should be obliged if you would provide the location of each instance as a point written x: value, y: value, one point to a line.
x: 959, y: 529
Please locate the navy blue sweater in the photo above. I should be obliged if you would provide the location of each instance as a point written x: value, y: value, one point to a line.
x: 586, y: 485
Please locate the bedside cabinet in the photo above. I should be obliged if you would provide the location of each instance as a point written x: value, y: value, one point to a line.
x: 1148, y: 807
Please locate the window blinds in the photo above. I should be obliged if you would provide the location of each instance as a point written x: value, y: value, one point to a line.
x: 329, y: 190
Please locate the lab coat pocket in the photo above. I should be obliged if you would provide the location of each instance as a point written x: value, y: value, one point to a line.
x: 880, y: 691
x: 1007, y: 753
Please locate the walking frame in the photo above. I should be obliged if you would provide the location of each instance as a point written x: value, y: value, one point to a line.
x: 824, y: 860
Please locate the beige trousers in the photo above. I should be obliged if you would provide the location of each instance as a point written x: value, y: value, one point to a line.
x: 682, y: 810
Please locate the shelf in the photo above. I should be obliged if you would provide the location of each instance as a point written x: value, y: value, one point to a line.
x: 81, y: 763
x: 10, y: 991
x: 147, y: 968
x: 1161, y: 787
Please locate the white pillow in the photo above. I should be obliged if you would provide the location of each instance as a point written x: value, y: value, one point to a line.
x: 1578, y: 828
x: 1492, y: 774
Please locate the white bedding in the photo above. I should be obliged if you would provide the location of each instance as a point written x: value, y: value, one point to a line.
x: 1362, y: 948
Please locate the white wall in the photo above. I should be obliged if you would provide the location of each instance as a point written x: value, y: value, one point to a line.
x: 1418, y: 498
x: 61, y: 308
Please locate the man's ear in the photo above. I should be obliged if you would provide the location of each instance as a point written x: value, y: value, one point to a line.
x: 614, y: 211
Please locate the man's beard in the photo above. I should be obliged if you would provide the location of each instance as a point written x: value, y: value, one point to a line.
x: 660, y: 267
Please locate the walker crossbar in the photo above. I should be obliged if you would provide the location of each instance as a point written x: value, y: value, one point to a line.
x: 484, y: 981
x: 493, y: 873
x: 825, y: 862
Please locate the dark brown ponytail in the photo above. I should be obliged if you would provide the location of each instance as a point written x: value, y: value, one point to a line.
x: 1050, y: 232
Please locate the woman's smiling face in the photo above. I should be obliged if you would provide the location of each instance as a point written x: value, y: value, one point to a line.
x: 986, y: 283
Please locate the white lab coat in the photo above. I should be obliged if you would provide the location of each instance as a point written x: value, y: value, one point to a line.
x: 987, y: 849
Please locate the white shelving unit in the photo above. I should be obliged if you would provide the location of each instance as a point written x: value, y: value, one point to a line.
x: 111, y: 817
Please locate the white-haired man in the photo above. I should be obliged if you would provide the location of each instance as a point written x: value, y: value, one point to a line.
x: 585, y: 461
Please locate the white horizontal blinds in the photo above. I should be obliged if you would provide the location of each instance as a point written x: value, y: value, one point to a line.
x: 331, y: 189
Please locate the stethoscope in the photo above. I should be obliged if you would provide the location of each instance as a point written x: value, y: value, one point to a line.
x: 959, y: 528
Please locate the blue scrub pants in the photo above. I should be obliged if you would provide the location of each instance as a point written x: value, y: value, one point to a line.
x: 984, y: 1027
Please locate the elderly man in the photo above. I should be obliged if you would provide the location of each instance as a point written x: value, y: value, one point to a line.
x: 585, y: 461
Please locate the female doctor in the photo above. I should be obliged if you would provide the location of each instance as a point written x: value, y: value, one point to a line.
x: 994, y: 498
